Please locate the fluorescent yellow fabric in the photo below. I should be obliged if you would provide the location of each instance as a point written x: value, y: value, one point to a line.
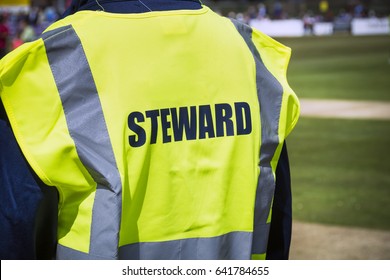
x: 144, y: 64
x: 35, y: 111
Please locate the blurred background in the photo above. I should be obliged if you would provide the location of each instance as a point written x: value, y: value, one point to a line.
x: 339, y: 151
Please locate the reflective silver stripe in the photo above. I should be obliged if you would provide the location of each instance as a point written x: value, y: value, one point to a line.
x: 234, y: 245
x: 65, y: 253
x: 270, y: 93
x: 87, y: 127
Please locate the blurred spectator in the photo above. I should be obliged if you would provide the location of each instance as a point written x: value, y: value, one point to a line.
x: 262, y: 14
x: 4, y: 33
x: 17, y: 41
x: 342, y: 21
x: 46, y: 16
x: 51, y: 14
x: 252, y: 12
x: 308, y: 23
x: 34, y: 14
x: 277, y: 10
x: 358, y: 10
x: 240, y: 17
x: 231, y: 14
x: 27, y: 33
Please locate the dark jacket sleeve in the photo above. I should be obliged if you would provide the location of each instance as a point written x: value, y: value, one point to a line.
x: 281, y: 220
x: 28, y: 208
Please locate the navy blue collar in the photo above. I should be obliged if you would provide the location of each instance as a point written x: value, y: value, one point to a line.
x: 132, y: 6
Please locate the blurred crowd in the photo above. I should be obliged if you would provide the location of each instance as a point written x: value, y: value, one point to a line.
x: 24, y: 26
x: 310, y: 12
x: 322, y: 11
x: 18, y: 27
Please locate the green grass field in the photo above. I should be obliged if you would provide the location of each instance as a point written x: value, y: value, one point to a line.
x: 340, y: 168
x: 340, y: 67
x: 341, y: 172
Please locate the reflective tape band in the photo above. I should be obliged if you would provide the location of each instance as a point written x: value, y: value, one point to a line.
x: 87, y: 127
x: 270, y: 94
x: 66, y: 253
x: 234, y: 245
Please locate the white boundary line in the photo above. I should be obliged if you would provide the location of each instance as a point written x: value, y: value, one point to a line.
x: 350, y: 109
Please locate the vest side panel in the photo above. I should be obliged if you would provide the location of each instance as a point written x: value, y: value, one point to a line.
x: 87, y: 127
x: 35, y: 111
x: 271, y: 60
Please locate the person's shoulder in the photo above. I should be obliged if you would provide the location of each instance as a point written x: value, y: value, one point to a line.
x: 21, y: 53
x: 57, y: 26
x: 267, y: 41
x: 16, y: 58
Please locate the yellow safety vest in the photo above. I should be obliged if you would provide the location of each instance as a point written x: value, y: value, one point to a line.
x: 161, y: 131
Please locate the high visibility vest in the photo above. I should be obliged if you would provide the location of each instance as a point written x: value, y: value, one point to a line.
x: 161, y: 131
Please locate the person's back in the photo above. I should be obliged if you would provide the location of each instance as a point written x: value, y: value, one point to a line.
x: 161, y: 131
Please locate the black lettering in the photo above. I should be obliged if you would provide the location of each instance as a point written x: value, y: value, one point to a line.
x: 205, y: 122
x: 124, y: 272
x: 184, y: 123
x: 165, y: 125
x: 153, y: 115
x: 140, y: 138
x: 243, y: 118
x: 195, y: 122
x: 223, y: 115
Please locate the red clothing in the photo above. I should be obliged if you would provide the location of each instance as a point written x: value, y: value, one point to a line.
x: 16, y: 43
x: 4, y: 32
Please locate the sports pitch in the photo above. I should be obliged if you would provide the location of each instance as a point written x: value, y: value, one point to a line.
x: 340, y: 67
x: 340, y: 168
